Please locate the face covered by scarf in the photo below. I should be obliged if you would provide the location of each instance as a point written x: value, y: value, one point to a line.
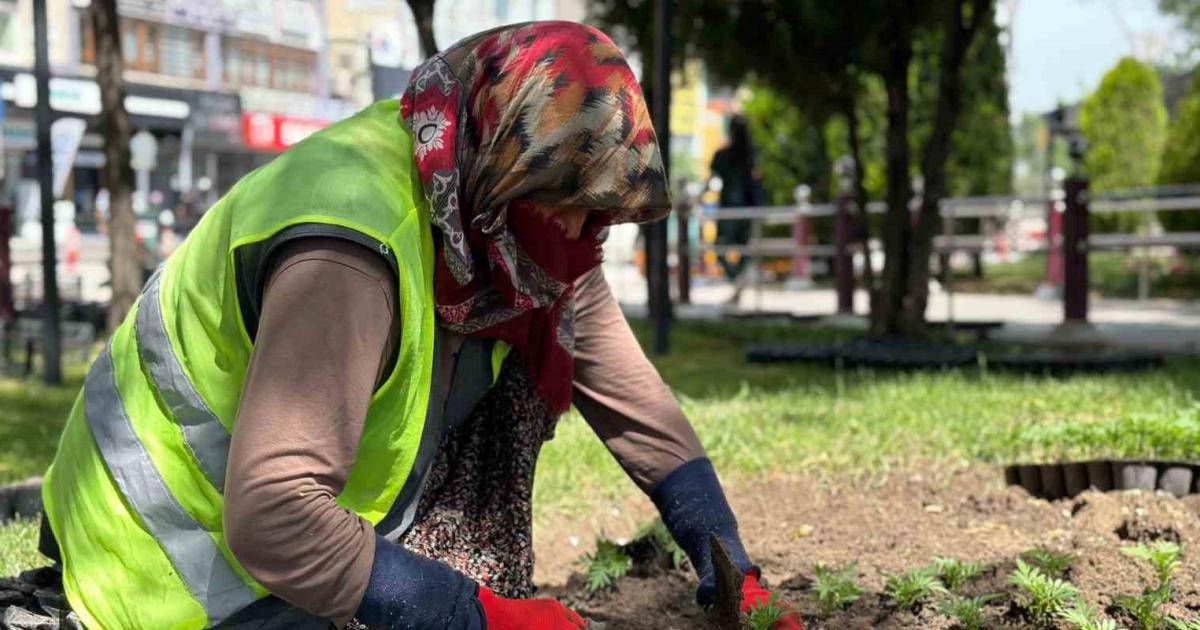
x: 546, y: 113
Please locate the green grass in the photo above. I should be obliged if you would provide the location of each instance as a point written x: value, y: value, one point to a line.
x: 755, y: 419
x: 18, y: 547
x: 816, y: 420
x: 1112, y: 274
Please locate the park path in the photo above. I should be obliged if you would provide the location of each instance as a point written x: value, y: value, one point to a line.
x: 1159, y: 325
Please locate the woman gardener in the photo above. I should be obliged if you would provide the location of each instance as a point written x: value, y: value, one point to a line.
x: 328, y: 403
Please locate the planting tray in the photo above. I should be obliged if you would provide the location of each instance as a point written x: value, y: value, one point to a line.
x: 910, y: 355
x: 1064, y: 480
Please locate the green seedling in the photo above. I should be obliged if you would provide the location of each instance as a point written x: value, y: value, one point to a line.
x: 1053, y: 564
x: 1163, y: 557
x: 1181, y: 624
x: 914, y: 588
x: 608, y: 564
x: 1043, y: 596
x: 835, y: 588
x: 765, y: 615
x: 1084, y: 617
x: 954, y: 572
x: 658, y: 532
x: 967, y: 611
x: 1146, y: 608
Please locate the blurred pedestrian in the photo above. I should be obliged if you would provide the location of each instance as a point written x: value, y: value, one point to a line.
x: 741, y: 186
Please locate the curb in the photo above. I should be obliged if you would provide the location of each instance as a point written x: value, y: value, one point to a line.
x: 21, y: 500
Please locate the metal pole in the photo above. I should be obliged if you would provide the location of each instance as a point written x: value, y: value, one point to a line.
x: 683, y: 244
x: 51, y: 346
x: 843, y: 263
x: 656, y: 234
x: 1075, y: 251
x: 7, y: 311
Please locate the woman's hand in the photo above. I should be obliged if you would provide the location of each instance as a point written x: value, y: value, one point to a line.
x: 754, y: 595
x: 527, y: 614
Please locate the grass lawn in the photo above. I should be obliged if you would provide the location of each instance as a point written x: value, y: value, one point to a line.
x: 756, y: 419
x: 1112, y: 274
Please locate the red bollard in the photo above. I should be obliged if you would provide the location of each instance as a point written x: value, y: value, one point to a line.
x: 1075, y: 250
x: 7, y: 310
x: 1054, y: 244
x: 843, y: 262
x: 801, y: 275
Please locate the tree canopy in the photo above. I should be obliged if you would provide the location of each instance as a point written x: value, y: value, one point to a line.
x: 1125, y: 123
x: 1181, y: 157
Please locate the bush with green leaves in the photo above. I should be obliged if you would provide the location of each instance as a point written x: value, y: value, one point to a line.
x: 1181, y: 158
x: 954, y: 573
x: 967, y: 611
x: 914, y: 588
x: 1084, y: 617
x: 1043, y: 596
x: 606, y: 565
x: 835, y: 588
x: 765, y: 615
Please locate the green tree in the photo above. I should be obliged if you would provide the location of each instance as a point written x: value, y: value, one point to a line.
x: 1181, y: 158
x: 1188, y: 12
x: 1125, y: 124
x: 790, y: 146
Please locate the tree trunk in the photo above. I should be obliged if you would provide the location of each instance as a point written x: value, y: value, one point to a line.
x: 897, y: 228
x: 124, y: 262
x: 850, y: 111
x: 956, y: 40
x: 422, y: 11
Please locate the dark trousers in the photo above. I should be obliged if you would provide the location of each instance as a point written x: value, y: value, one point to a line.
x: 733, y: 232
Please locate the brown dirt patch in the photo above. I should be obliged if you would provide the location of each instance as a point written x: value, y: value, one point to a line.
x: 890, y: 526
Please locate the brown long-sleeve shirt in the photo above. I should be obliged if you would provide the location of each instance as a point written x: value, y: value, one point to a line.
x: 325, y: 341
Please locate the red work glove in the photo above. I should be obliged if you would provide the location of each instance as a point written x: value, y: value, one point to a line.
x: 753, y: 594
x: 527, y: 614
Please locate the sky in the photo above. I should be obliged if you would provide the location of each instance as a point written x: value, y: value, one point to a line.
x: 1061, y: 48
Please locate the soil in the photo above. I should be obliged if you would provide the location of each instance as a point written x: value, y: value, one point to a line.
x: 889, y: 526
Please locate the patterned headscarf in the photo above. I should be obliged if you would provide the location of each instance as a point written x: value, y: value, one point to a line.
x: 546, y: 112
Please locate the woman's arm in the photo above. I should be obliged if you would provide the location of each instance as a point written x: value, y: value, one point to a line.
x: 323, y: 341
x: 627, y: 404
x: 620, y: 393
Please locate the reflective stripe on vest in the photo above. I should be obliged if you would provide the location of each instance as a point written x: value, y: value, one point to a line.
x: 193, y: 552
x: 205, y: 436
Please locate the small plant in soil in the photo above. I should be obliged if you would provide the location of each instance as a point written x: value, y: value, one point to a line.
x: 954, y: 573
x: 1146, y: 608
x: 835, y: 588
x: 967, y: 611
x: 914, y: 588
x: 1163, y: 557
x: 1052, y: 564
x: 1180, y: 624
x: 608, y: 564
x: 765, y: 615
x: 1084, y: 617
x: 1043, y: 596
x: 658, y: 532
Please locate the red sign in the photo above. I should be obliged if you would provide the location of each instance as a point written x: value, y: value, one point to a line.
x: 270, y: 132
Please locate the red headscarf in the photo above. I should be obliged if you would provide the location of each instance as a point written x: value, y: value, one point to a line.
x: 547, y: 112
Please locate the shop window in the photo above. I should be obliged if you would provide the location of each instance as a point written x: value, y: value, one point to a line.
x: 182, y: 52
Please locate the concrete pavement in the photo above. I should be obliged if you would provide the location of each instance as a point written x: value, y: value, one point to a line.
x: 1159, y: 325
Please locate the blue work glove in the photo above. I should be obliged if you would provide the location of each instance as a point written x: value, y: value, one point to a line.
x: 693, y: 506
x: 411, y: 592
